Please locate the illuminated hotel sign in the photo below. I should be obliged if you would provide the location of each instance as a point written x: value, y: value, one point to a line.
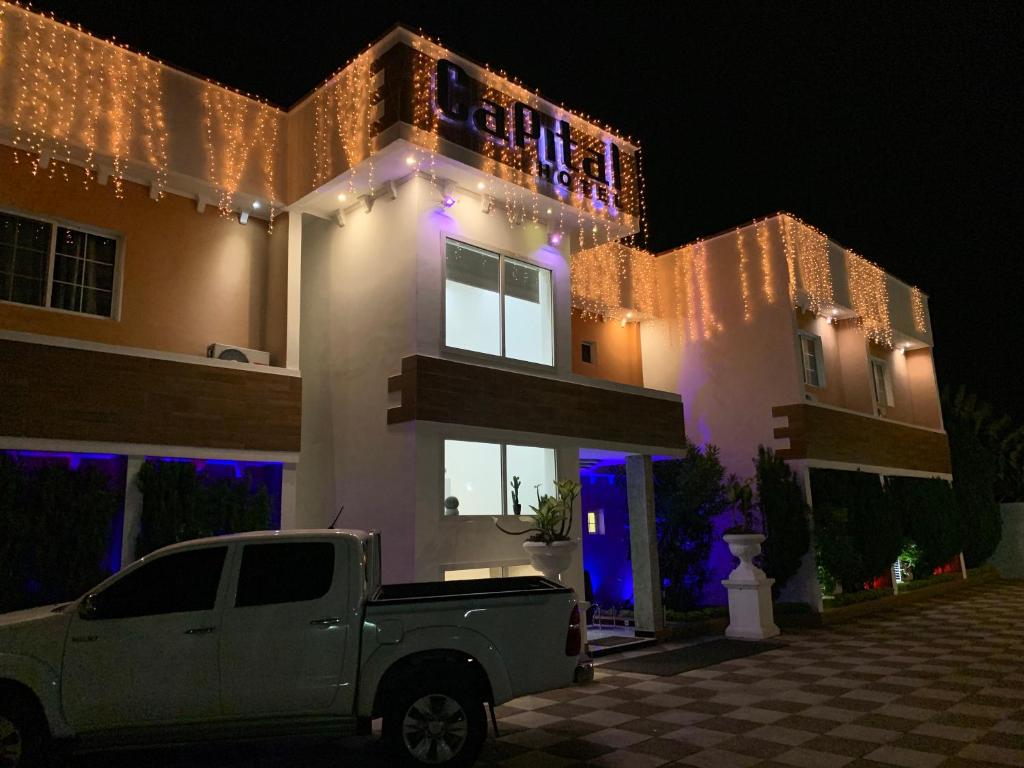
x: 560, y: 160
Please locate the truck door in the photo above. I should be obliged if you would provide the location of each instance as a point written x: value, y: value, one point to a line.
x: 143, y: 650
x: 287, y: 630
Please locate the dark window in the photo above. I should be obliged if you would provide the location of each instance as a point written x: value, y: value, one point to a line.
x: 24, y: 256
x: 184, y: 581
x: 83, y: 274
x: 286, y: 572
x: 588, y: 351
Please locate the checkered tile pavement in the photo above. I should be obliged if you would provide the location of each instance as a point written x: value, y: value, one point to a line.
x: 941, y: 684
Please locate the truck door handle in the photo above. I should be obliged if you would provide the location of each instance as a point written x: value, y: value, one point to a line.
x: 331, y: 621
x: 200, y: 630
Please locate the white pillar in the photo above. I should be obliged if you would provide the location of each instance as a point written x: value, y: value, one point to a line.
x: 132, y: 510
x: 294, y: 289
x: 643, y: 546
x: 288, y: 510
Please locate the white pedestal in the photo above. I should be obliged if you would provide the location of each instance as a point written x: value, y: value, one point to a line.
x: 750, y: 610
x: 750, y: 592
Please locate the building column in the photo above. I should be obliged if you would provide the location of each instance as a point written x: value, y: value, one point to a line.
x: 132, y: 510
x: 643, y: 546
x: 288, y: 495
x: 294, y: 301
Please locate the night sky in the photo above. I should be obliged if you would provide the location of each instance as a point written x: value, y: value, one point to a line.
x: 895, y: 127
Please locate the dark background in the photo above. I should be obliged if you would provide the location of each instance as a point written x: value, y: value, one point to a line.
x: 895, y: 127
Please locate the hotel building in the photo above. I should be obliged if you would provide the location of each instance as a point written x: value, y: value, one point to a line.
x: 402, y: 292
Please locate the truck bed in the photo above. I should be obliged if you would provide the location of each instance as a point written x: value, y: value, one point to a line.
x: 392, y: 594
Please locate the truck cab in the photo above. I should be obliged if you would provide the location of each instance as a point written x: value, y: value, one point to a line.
x: 279, y: 633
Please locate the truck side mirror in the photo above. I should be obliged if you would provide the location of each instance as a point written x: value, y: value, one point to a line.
x: 88, y: 609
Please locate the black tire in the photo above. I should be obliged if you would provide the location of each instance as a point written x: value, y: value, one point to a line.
x: 24, y: 736
x: 450, y: 706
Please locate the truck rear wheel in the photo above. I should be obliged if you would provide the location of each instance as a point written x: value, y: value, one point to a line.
x: 436, y: 722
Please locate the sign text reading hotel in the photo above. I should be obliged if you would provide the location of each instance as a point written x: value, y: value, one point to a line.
x: 559, y: 158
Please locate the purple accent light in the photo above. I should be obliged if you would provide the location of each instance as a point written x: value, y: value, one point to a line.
x: 448, y: 201
x: 555, y: 238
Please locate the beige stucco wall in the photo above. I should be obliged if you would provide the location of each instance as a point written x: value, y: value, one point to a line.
x: 618, y: 356
x: 188, y: 279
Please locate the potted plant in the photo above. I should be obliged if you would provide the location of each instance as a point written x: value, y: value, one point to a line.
x: 517, y: 508
x: 549, y: 546
x: 742, y: 536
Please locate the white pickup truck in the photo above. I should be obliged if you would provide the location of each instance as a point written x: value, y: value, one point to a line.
x: 280, y: 633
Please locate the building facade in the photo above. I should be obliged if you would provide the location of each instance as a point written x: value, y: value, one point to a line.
x: 422, y: 267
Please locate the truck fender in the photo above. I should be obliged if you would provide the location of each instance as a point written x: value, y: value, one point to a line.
x: 432, y: 639
x: 43, y: 682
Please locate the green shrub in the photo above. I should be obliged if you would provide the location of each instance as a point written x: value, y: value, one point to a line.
x: 689, y: 494
x: 784, y: 515
x: 928, y: 509
x: 698, y: 614
x: 177, y: 505
x: 931, y: 581
x: 59, y: 523
x: 975, y: 470
x: 857, y: 529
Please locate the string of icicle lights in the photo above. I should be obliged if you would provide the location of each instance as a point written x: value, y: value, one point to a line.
x: 610, y: 280
x: 80, y: 100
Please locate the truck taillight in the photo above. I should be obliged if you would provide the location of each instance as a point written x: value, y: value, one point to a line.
x: 573, y: 637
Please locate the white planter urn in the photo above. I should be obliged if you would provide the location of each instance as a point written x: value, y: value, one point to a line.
x: 551, y: 559
x: 750, y: 591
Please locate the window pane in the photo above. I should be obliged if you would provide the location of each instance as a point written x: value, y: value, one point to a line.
x: 285, y: 573
x: 101, y: 249
x: 472, y: 311
x: 67, y: 269
x: 472, y: 475
x: 70, y: 242
x: 96, y: 302
x: 528, y: 329
x: 523, y: 570
x: 535, y: 468
x: 24, y: 254
x: 185, y: 581
x: 66, y: 296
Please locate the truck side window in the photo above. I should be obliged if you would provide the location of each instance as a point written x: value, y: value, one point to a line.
x: 287, y: 572
x: 183, y: 581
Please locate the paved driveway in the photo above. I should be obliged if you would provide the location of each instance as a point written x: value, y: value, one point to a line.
x: 941, y: 685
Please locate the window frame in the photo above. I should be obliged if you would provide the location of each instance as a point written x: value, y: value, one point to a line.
x: 889, y: 393
x: 505, y: 488
x: 56, y: 222
x: 502, y: 255
x: 819, y: 358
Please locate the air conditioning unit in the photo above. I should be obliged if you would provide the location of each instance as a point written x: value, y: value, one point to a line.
x: 238, y: 354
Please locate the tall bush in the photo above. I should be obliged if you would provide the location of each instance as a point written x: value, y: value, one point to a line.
x: 689, y: 494
x: 177, y: 505
x: 56, y: 524
x: 784, y: 514
x: 975, y: 473
x: 931, y: 522
x: 858, y: 530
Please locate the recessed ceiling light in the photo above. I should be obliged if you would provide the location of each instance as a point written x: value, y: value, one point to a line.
x: 410, y: 160
x: 479, y: 185
x: 342, y: 197
x: 256, y: 204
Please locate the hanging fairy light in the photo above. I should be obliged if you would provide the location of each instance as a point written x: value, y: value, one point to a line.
x: 917, y: 308
x: 76, y: 98
x: 869, y: 296
x: 764, y: 244
x: 744, y: 281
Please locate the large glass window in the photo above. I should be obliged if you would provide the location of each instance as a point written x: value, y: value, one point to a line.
x: 176, y: 583
x: 477, y: 476
x: 46, y: 265
x: 810, y: 352
x: 497, y: 305
x: 287, y: 572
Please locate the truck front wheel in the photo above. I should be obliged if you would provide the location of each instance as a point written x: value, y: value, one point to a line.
x: 22, y: 730
x: 436, y: 721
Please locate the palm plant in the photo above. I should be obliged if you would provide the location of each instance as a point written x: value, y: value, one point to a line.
x: 553, y: 515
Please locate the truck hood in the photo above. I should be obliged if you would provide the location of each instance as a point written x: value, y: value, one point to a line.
x: 37, y: 632
x: 30, y: 615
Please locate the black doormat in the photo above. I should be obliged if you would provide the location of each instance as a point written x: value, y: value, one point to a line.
x: 692, y: 657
